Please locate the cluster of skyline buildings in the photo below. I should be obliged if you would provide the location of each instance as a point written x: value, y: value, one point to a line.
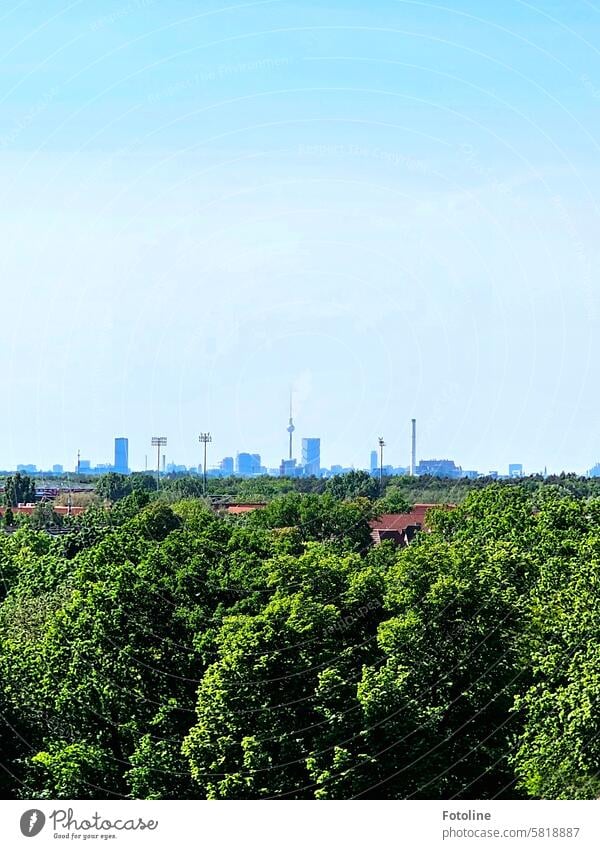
x: 249, y: 464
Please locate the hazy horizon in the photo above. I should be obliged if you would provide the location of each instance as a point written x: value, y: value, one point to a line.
x: 393, y: 210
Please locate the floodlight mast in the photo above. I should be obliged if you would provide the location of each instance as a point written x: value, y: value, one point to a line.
x: 204, y: 438
x: 158, y: 442
x: 381, y: 447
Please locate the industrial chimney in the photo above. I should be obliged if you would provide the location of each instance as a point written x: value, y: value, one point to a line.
x: 413, y: 453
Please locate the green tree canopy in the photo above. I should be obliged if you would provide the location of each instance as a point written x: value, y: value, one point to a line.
x: 166, y: 649
x: 19, y: 489
x: 354, y: 484
x: 113, y: 486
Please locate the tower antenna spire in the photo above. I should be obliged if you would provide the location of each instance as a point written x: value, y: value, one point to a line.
x: 290, y: 427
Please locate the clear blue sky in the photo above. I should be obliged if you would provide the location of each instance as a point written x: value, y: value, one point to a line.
x: 391, y: 206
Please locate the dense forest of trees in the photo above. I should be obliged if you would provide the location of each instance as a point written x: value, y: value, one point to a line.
x: 163, y: 649
x: 399, y: 490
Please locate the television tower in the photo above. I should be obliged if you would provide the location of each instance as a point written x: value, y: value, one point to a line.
x: 290, y: 427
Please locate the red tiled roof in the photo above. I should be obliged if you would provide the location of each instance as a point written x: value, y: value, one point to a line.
x: 28, y: 509
x: 243, y: 508
x: 401, y: 527
x: 401, y: 521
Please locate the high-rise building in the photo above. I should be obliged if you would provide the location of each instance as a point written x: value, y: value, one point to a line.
x: 176, y: 469
x: 226, y: 466
x: 311, y: 456
x: 594, y: 472
x: 247, y: 464
x: 340, y: 470
x: 122, y: 455
x: 374, y: 464
x: 439, y: 468
x: 515, y: 470
x: 288, y: 469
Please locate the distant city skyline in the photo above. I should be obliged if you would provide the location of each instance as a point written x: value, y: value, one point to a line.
x: 248, y: 463
x: 392, y: 208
